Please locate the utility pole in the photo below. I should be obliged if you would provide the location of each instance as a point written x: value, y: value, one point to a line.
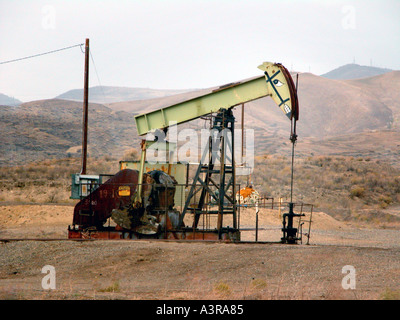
x: 85, y: 109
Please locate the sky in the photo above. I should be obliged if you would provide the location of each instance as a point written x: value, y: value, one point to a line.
x: 186, y: 44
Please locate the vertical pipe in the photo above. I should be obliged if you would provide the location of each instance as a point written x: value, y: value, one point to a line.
x: 169, y: 158
x: 234, y: 204
x: 221, y: 190
x: 257, y: 222
x: 293, y: 139
x: 85, y: 109
x: 292, y: 173
x: 187, y: 175
x: 141, y: 171
x: 166, y: 210
x: 238, y: 218
x: 309, y: 225
x: 242, y: 132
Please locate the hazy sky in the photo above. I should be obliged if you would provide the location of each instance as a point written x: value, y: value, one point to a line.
x: 180, y: 44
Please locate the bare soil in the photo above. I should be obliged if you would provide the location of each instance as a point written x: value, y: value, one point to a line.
x: 131, y: 269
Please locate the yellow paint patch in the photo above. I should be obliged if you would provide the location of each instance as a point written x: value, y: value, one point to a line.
x: 124, y: 191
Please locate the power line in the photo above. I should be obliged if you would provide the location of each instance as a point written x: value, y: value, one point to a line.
x: 41, y: 54
x: 97, y: 75
x: 66, y: 48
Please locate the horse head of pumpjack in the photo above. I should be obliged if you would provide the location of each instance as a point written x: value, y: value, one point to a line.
x: 281, y: 88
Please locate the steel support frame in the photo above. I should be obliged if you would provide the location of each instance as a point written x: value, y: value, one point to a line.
x: 220, y: 147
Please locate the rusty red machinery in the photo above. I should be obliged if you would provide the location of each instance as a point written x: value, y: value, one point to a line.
x: 154, y: 218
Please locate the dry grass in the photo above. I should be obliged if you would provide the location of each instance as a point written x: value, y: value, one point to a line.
x: 115, y: 287
x: 47, y: 181
x: 342, y: 186
x: 347, y: 188
x: 390, y: 294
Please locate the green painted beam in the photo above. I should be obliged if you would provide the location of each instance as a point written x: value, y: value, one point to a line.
x: 222, y: 98
x: 276, y: 83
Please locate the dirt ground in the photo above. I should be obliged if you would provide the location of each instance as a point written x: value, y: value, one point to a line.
x: 131, y: 269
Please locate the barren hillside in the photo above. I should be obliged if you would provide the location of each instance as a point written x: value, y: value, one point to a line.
x: 339, y: 116
x: 327, y: 107
x: 8, y: 101
x: 53, y: 129
x: 354, y: 71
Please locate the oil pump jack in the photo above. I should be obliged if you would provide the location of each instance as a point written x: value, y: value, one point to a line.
x: 212, y: 179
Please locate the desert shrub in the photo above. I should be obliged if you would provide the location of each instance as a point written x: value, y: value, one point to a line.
x: 390, y: 294
x: 357, y: 191
x: 19, y: 184
x: 131, y: 155
x: 222, y: 289
x: 334, y: 184
x: 384, y: 201
x: 258, y: 284
x: 112, y: 288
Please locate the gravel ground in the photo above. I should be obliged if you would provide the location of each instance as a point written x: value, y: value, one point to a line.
x: 198, y: 270
x: 173, y: 270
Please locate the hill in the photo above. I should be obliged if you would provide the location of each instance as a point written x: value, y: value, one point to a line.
x: 8, y: 101
x: 327, y: 107
x: 108, y: 94
x: 53, y: 129
x: 354, y: 71
x: 340, y: 117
